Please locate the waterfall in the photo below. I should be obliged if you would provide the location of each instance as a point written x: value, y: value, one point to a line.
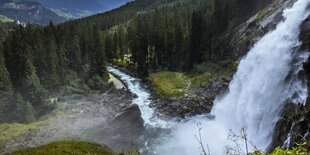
x: 266, y: 79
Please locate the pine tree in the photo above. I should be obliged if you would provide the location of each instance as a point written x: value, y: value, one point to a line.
x: 196, y: 55
x: 32, y: 88
x: 98, y: 66
x: 178, y: 53
x: 62, y: 65
x: 51, y: 61
x: 121, y: 43
x: 115, y: 45
x: 5, y: 81
x: 108, y: 48
x: 74, y: 55
x: 132, y: 40
x: 40, y: 55
x: 22, y: 112
x: 142, y: 51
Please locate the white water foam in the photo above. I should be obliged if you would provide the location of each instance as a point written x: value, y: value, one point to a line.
x: 266, y: 79
x: 142, y: 100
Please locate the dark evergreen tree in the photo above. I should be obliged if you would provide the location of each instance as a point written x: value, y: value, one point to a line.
x: 21, y: 111
x: 51, y: 62
x: 5, y: 81
x: 195, y: 53
x: 62, y: 66
x: 108, y: 48
x: 98, y: 67
x: 32, y: 88
x: 74, y: 54
x: 121, y: 43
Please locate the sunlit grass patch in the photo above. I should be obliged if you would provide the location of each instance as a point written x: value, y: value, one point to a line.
x: 201, y: 79
x: 169, y: 83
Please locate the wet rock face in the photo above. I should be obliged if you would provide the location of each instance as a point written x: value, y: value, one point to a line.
x: 292, y: 127
x: 294, y: 123
x: 305, y: 34
x: 245, y: 35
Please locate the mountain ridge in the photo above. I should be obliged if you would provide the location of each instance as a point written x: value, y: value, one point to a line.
x: 28, y: 11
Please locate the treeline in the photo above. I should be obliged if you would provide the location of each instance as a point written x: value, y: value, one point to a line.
x: 122, y: 14
x: 4, y: 29
x: 38, y: 62
x: 175, y: 36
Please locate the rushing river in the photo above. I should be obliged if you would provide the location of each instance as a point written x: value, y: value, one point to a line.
x: 142, y: 100
x: 266, y: 79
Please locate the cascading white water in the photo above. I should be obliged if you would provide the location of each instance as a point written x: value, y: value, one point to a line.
x: 266, y: 79
x: 142, y: 99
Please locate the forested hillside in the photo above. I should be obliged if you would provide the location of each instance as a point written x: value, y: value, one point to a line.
x: 144, y: 35
x: 39, y: 62
x: 175, y: 35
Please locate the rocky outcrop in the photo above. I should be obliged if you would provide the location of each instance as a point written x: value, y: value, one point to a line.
x: 245, y: 35
x: 124, y: 129
x: 294, y: 123
x: 292, y: 127
x: 200, y: 101
x: 305, y: 34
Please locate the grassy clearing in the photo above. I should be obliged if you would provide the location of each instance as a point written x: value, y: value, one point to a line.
x: 207, y: 72
x: 177, y: 84
x: 11, y: 131
x: 68, y: 148
x: 5, y: 19
x: 169, y: 83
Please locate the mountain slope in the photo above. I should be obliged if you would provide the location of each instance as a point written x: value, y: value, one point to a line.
x: 113, y: 4
x: 27, y: 11
x: 80, y: 8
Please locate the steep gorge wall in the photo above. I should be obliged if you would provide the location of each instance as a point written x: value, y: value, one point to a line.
x: 294, y: 124
x: 257, y: 25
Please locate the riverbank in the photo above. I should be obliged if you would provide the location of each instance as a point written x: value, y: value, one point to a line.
x: 196, y: 100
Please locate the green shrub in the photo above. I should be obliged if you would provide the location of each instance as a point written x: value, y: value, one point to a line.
x: 300, y: 149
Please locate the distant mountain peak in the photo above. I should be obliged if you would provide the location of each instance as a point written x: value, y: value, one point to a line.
x: 28, y: 11
x: 43, y: 11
